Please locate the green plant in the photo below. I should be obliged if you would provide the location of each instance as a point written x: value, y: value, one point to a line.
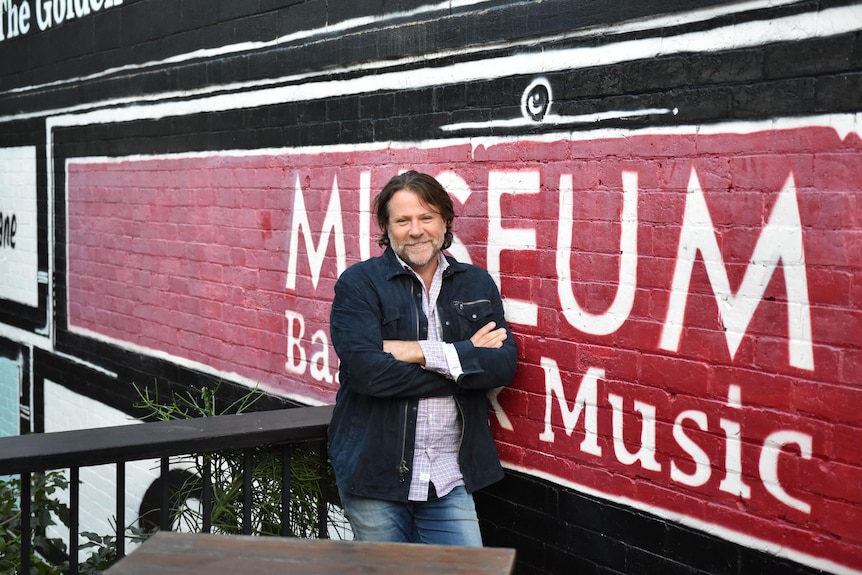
x: 104, y: 551
x: 226, y: 470
x: 48, y: 556
x: 47, y: 511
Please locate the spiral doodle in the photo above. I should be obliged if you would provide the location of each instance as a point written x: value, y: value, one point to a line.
x: 536, y: 100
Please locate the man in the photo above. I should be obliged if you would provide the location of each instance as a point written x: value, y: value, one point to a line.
x: 421, y: 339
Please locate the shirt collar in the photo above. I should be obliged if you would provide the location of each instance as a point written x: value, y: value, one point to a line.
x: 442, y: 264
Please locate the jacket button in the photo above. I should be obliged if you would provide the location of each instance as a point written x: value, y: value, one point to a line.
x: 474, y: 316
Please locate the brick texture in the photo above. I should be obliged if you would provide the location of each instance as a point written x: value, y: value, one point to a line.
x: 667, y: 194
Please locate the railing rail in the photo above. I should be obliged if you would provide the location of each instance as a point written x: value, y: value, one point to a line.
x: 27, y: 454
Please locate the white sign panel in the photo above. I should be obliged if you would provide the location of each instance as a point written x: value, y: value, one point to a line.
x: 18, y: 226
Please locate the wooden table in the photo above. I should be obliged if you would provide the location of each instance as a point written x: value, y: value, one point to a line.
x: 195, y: 553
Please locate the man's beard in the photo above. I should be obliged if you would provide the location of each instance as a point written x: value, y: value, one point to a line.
x: 417, y: 258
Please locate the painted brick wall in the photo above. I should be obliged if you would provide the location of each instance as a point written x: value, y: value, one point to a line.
x: 666, y: 194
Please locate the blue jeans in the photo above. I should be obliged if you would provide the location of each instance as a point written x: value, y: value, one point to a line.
x: 449, y: 520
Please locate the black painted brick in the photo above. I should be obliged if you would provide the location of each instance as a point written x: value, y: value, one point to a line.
x: 701, y: 105
x: 774, y: 99
x: 109, y: 31
x: 377, y: 106
x: 227, y: 70
x: 840, y: 93
x: 600, y: 548
x: 311, y: 111
x: 342, y: 108
x: 190, y: 14
x: 810, y: 57
x: 655, y: 74
x: 587, y: 83
x: 758, y: 563
x: 555, y: 560
x: 527, y: 491
x: 448, y: 97
x: 733, y: 67
x: 569, y: 528
x: 705, y: 553
x: 147, y: 21
x: 257, y: 27
x: 307, y: 15
x: 643, y: 563
x: 229, y: 11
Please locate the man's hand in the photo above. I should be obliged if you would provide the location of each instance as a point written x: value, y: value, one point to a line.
x: 487, y: 336
x: 409, y: 351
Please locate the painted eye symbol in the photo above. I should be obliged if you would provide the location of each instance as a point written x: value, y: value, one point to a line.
x: 536, y: 100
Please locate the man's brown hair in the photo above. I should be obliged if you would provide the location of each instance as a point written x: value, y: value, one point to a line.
x: 430, y: 192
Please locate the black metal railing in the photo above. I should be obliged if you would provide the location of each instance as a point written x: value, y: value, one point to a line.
x: 284, y: 429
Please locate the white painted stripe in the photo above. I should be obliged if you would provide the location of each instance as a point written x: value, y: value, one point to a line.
x: 201, y: 367
x: 749, y: 34
x: 554, y: 120
x: 843, y: 124
x: 318, y: 34
x: 792, y: 28
x: 315, y: 34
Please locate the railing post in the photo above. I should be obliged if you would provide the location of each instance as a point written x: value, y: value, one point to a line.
x: 165, y: 507
x: 286, y: 486
x: 121, y: 509
x: 247, y: 464
x: 26, y: 535
x: 207, y: 493
x: 74, y: 518
x: 323, y: 502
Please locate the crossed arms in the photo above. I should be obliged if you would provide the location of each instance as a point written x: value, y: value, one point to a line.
x: 411, y: 351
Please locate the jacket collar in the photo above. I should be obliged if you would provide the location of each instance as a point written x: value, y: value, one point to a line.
x: 393, y: 265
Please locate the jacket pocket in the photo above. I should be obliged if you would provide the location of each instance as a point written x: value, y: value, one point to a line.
x: 473, y: 314
x: 390, y: 323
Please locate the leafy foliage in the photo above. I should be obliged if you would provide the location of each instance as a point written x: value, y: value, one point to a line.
x: 47, y: 512
x: 226, y: 470
x: 49, y: 556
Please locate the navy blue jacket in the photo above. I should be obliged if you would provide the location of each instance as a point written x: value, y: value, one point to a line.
x: 373, y: 426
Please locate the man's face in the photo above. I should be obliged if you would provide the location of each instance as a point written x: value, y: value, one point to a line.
x: 415, y: 230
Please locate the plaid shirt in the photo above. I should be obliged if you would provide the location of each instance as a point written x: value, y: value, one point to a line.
x: 438, y: 423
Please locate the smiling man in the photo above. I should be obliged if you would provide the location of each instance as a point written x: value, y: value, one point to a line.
x: 421, y: 339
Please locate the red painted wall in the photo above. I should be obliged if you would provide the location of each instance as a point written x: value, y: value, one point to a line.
x: 686, y: 301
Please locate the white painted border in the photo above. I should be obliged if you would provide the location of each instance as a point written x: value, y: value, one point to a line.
x: 843, y: 124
